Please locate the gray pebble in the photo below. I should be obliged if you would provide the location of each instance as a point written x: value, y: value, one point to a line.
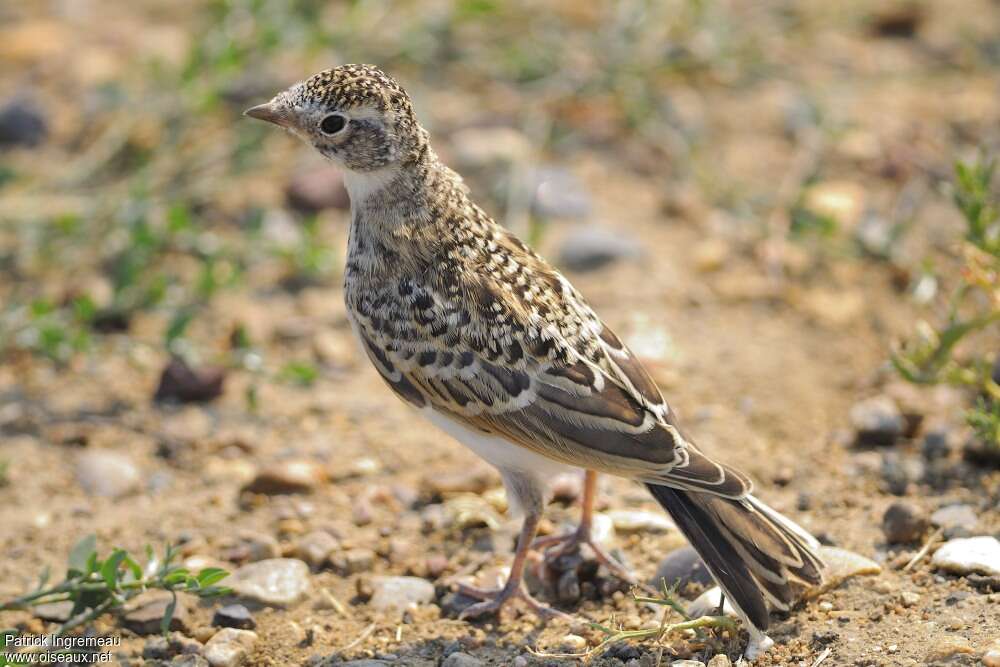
x: 461, y: 660
x: 877, y: 421
x: 903, y: 523
x: 106, y: 473
x: 956, y: 520
x: 279, y: 582
x: 400, y: 593
x: 591, y: 247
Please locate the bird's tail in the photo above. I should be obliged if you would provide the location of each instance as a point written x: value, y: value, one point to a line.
x: 753, y: 552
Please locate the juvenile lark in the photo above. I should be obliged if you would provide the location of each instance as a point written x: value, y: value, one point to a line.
x: 492, y: 344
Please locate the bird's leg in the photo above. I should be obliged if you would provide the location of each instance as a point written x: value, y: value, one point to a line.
x: 559, y: 545
x: 494, y: 600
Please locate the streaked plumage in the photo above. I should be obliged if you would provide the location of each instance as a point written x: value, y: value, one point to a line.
x: 465, y: 322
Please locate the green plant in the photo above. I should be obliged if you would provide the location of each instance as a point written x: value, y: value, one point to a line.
x: 4, y: 472
x: 930, y: 357
x: 98, y: 585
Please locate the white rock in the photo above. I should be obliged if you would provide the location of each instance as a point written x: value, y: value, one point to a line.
x: 637, y: 521
x: 276, y: 581
x: 687, y: 663
x: 229, y: 647
x: 955, y: 516
x: 842, y: 564
x: 400, y: 593
x: 970, y: 554
x: 106, y: 473
x: 707, y: 604
x: 602, y: 530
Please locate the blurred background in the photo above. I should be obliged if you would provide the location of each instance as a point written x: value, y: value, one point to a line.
x: 762, y: 197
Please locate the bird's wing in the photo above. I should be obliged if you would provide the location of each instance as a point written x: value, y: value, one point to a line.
x: 572, y: 392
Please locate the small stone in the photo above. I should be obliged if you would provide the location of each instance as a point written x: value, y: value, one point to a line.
x: 234, y: 616
x: 841, y: 201
x: 189, y: 661
x: 400, y: 593
x: 250, y: 546
x: 900, y: 20
x: 947, y: 646
x: 903, y: 523
x: 317, y: 189
x: 640, y: 521
x: 353, y: 561
x: 106, y: 473
x: 591, y: 247
x: 901, y: 471
x: 56, y: 612
x: 475, y: 478
x: 681, y: 567
x: 22, y: 123
x: 144, y: 613
x: 161, y: 648
x: 909, y: 599
x: 937, y: 443
x: 574, y: 643
x: 955, y: 520
x: 559, y: 194
x: 229, y: 647
x: 278, y: 582
x: 687, y: 663
x: 460, y: 659
x: 315, y: 548
x: 180, y: 382
x: 991, y: 657
x: 707, y: 604
x: 720, y: 660
x: 968, y: 555
x: 710, y: 255
x: 877, y: 421
x: 285, y: 477
x: 842, y: 564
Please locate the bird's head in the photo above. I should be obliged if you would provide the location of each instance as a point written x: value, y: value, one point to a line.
x: 355, y: 115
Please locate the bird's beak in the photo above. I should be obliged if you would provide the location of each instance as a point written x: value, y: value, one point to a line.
x: 269, y: 112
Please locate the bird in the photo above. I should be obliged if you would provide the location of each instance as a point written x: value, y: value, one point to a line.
x: 482, y: 336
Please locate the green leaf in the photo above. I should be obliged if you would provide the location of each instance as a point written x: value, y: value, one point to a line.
x: 109, y: 569
x: 80, y: 555
x: 211, y: 575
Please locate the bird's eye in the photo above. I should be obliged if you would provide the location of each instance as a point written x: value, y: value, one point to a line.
x: 333, y: 123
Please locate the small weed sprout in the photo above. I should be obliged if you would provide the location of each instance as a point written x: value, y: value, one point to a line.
x: 97, y: 585
x: 930, y: 356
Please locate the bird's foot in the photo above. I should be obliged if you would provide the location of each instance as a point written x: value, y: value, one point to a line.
x: 556, y: 547
x: 495, y: 599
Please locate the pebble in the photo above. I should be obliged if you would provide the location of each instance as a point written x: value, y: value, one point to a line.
x: 843, y: 201
x: 234, y: 616
x: 590, y: 247
x: 460, y: 659
x: 640, y: 521
x: 937, y: 443
x: 144, y: 613
x: 682, y: 567
x: 559, y: 194
x: 184, y: 384
x: 955, y: 520
x: 400, y: 593
x: 877, y: 421
x: 968, y: 555
x: 707, y: 604
x: 161, y: 647
x: 909, y: 599
x: 189, y: 661
x: 476, y: 478
x: 319, y: 188
x: 602, y: 530
x: 250, y: 546
x: 720, y: 660
x: 56, y: 612
x: 277, y: 582
x: 229, y: 647
x: 22, y: 123
x: 710, y: 255
x: 842, y: 564
x: 901, y: 472
x: 105, y: 473
x: 991, y: 657
x: 687, y: 663
x: 574, y: 642
x: 903, y: 523
x: 315, y: 548
x: 353, y: 561
x: 947, y: 646
x: 285, y: 477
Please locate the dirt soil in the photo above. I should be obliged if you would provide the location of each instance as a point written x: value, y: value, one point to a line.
x: 762, y: 368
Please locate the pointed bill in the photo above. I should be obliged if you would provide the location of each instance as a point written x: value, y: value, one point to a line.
x: 269, y: 112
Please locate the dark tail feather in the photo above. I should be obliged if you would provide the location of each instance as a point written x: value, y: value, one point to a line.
x: 753, y: 552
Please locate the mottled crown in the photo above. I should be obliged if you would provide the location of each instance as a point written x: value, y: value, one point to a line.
x: 352, y: 86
